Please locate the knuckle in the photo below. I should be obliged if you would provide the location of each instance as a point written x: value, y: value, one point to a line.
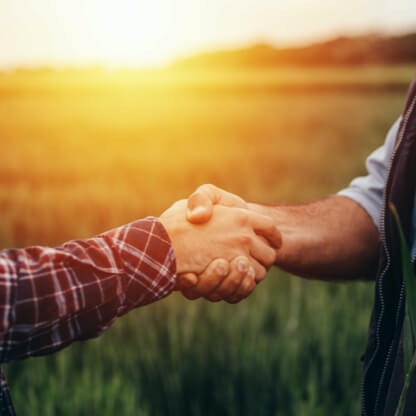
x: 240, y: 266
x: 270, y: 229
x: 244, y: 239
x: 241, y: 272
x: 243, y: 218
x: 270, y: 257
x: 206, y: 187
x: 221, y: 268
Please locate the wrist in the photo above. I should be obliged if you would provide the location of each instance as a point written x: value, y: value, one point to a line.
x: 178, y: 232
x: 269, y: 210
x: 290, y: 254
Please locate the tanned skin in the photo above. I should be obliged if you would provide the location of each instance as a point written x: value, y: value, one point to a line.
x: 330, y: 239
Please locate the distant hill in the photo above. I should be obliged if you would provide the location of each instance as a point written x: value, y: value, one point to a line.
x: 341, y: 51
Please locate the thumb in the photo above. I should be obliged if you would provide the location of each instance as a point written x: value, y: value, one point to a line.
x: 201, y: 204
x: 186, y: 281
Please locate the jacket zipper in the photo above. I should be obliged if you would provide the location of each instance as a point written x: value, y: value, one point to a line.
x: 380, y: 289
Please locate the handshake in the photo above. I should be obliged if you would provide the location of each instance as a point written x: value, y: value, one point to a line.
x: 223, y: 248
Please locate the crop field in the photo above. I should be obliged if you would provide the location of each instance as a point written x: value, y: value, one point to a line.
x: 82, y: 152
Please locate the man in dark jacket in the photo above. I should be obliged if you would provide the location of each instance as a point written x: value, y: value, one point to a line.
x: 350, y: 236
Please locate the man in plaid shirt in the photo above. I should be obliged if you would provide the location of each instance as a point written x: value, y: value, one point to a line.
x: 50, y: 297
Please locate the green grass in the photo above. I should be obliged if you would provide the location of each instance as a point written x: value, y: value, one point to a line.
x: 76, y: 159
x: 291, y: 349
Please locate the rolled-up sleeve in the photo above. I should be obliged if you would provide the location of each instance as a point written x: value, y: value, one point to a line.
x: 368, y: 190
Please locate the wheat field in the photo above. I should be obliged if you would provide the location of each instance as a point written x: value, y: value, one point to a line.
x: 82, y: 152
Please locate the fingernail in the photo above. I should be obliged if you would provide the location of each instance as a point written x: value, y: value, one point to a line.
x: 251, y: 272
x: 196, y: 211
x: 221, y: 270
x: 242, y: 266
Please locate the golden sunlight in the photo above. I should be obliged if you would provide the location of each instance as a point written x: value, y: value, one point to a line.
x: 129, y: 32
x: 132, y: 33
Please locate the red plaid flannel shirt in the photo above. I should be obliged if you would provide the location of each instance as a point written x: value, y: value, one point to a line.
x: 50, y: 297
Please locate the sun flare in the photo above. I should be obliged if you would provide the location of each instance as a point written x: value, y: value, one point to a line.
x: 129, y: 32
x: 134, y: 33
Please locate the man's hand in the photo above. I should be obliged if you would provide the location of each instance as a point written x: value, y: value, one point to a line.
x: 223, y: 281
x: 232, y: 232
x: 240, y: 281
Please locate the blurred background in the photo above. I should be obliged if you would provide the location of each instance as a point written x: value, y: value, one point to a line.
x: 111, y: 111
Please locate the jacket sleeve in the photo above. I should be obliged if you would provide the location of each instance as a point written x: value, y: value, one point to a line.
x: 50, y: 297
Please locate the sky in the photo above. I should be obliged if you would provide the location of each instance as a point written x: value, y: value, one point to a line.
x: 153, y: 32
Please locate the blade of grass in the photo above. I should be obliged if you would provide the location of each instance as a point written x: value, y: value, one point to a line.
x: 402, y: 402
x: 407, y: 341
x: 410, y: 313
x: 408, y: 274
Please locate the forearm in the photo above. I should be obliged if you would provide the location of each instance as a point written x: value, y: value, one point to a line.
x: 50, y: 297
x: 330, y: 239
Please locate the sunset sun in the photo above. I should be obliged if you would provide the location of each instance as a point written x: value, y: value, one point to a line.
x: 128, y: 32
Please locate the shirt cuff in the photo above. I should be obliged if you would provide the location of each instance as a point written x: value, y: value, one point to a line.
x: 148, y: 261
x: 366, y: 202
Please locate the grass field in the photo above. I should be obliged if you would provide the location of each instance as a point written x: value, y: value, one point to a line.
x: 81, y: 153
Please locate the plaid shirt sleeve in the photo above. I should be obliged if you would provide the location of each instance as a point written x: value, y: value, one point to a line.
x: 50, y: 297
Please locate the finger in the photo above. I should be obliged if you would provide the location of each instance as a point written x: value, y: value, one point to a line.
x: 230, y: 285
x: 262, y: 252
x: 260, y: 271
x: 238, y: 270
x: 246, y: 288
x: 212, y: 276
x: 186, y: 281
x: 264, y: 226
x: 190, y: 294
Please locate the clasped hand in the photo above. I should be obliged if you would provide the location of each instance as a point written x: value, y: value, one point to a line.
x: 222, y: 248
